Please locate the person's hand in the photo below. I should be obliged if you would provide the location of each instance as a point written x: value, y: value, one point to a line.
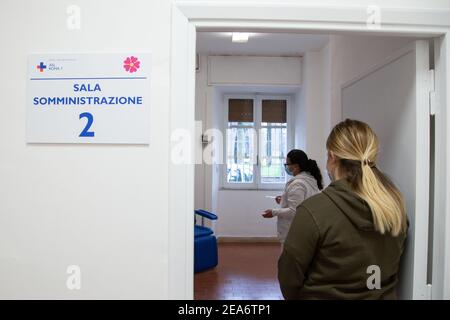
x: 268, y: 213
x: 278, y: 199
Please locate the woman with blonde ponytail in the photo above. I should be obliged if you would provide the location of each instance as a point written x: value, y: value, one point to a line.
x: 346, y: 242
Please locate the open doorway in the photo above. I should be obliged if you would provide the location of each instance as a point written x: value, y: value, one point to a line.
x: 312, y: 77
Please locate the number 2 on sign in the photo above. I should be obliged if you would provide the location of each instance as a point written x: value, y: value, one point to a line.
x: 90, y: 120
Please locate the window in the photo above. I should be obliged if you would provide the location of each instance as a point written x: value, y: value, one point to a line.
x: 273, y: 140
x: 240, y: 141
x: 257, y: 141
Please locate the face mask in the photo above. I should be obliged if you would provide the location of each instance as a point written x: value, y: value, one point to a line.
x: 330, y: 176
x: 289, y: 172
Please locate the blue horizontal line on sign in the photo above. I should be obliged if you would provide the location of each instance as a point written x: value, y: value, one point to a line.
x: 94, y: 78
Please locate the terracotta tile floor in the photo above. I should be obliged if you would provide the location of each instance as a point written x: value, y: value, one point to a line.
x: 246, y: 271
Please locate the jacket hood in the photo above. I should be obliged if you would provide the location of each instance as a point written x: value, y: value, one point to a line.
x: 353, y: 206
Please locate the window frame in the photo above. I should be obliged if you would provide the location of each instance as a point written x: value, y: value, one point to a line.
x: 257, y: 112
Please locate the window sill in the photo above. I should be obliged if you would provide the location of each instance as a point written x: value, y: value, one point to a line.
x: 250, y: 189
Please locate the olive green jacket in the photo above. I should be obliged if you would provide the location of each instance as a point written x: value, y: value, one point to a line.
x: 332, y: 250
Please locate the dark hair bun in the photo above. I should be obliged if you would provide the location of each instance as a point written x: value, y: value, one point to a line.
x: 309, y: 165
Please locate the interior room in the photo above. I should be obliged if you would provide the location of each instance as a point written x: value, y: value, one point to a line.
x: 292, y: 88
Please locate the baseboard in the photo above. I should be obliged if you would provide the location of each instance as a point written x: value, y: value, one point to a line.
x: 248, y: 239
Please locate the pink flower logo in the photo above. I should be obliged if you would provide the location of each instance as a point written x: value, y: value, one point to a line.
x: 131, y: 64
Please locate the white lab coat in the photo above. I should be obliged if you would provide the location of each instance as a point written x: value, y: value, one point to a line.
x: 297, y: 189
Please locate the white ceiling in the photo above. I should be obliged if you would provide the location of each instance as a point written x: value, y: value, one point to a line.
x: 270, y: 44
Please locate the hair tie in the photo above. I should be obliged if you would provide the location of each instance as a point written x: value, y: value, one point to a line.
x: 367, y: 162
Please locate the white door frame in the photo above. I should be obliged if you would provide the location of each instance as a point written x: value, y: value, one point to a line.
x: 189, y: 16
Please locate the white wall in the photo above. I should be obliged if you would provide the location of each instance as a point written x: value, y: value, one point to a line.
x: 216, y: 116
x: 326, y: 60
x: 240, y: 214
x: 208, y: 114
x: 201, y: 102
x: 252, y: 70
x: 300, y: 121
x: 324, y: 72
x: 351, y: 55
x: 101, y: 207
x: 314, y: 117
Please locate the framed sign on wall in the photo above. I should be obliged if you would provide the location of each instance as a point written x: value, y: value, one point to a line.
x: 88, y: 98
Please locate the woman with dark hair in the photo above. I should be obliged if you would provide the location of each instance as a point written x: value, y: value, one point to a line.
x: 306, y: 182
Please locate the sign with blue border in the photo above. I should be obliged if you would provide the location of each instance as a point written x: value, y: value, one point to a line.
x: 89, y: 98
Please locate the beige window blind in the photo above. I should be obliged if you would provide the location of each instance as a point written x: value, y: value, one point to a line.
x: 240, y: 110
x: 274, y: 111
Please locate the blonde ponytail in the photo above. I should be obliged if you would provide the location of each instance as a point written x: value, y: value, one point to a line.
x: 356, y: 146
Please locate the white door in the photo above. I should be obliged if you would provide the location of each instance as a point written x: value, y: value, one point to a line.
x: 393, y: 98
